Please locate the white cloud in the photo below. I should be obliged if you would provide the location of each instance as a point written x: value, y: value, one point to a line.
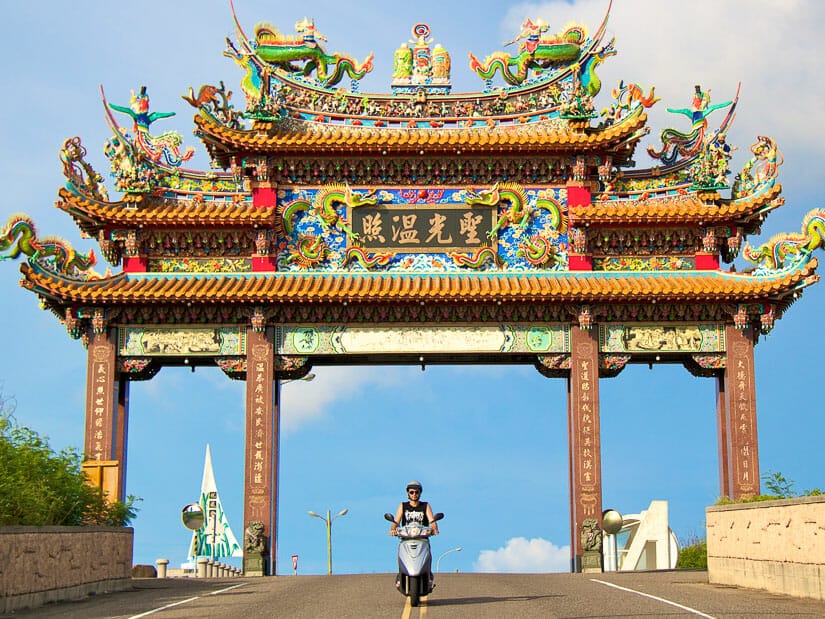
x: 524, y: 556
x: 303, y: 401
x: 772, y: 47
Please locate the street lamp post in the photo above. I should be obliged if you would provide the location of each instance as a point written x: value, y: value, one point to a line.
x: 328, y: 521
x: 443, y: 554
x: 307, y: 379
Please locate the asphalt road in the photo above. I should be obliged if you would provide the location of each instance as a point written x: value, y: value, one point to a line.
x: 646, y: 594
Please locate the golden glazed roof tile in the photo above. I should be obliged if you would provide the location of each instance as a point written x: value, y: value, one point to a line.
x: 302, y: 135
x: 685, y: 286
x: 144, y: 209
x: 671, y: 209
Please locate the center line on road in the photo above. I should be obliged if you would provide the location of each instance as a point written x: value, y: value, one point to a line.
x: 407, y: 609
x: 654, y: 597
x: 197, y: 597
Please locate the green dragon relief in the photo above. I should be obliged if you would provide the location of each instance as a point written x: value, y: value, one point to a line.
x: 19, y: 236
x: 283, y: 52
x: 787, y: 248
x: 536, y: 52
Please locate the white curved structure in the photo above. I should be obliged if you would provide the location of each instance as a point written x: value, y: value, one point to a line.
x: 645, y: 542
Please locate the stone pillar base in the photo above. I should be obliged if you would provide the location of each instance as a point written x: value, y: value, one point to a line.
x: 253, y: 565
x: 591, y: 562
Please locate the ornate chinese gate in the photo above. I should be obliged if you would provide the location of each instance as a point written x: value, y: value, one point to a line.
x: 420, y: 227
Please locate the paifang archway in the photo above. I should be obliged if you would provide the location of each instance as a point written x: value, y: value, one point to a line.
x: 509, y: 227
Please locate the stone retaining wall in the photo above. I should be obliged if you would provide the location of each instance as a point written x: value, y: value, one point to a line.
x: 48, y: 564
x: 777, y: 545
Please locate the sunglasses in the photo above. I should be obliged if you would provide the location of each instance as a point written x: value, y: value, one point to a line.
x: 413, y: 491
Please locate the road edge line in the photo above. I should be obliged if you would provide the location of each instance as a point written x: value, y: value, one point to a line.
x: 655, y: 597
x: 178, y: 603
x: 157, y: 610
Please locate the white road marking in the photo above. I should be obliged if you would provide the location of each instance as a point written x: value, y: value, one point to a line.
x: 653, y: 597
x: 229, y: 588
x: 157, y: 610
x: 197, y: 597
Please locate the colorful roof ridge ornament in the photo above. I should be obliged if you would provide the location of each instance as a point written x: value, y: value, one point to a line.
x: 301, y: 55
x: 420, y: 70
x: 165, y: 146
x: 789, y: 249
x: 625, y: 96
x: 283, y: 52
x: 760, y: 172
x: 19, y: 236
x: 213, y: 101
x: 536, y: 52
x: 80, y: 175
x: 548, y: 57
x: 676, y: 143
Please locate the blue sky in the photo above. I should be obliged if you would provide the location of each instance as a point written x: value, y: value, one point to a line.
x: 489, y: 443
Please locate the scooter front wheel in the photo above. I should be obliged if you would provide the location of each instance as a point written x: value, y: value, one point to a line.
x: 415, y: 590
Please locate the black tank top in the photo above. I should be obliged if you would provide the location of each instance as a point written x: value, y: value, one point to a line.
x: 417, y: 514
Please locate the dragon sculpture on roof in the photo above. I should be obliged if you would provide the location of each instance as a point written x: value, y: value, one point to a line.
x: 301, y: 54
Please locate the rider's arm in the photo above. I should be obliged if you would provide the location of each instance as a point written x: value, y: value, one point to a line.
x: 399, y: 513
x: 430, y: 518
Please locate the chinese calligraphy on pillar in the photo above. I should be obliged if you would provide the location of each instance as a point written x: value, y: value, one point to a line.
x: 261, y: 438
x: 585, y: 441
x: 100, y: 399
x: 740, y: 392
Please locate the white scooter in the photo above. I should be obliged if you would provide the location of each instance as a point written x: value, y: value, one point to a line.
x: 414, y: 559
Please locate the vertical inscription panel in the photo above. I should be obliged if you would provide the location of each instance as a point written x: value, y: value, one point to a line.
x: 740, y: 390
x: 99, y: 438
x: 259, y: 431
x: 585, y: 441
x: 261, y: 437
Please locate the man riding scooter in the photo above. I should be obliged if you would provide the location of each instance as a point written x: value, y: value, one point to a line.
x: 414, y: 511
x: 414, y: 522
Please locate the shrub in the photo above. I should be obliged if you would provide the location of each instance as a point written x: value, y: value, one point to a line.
x: 777, y: 487
x: 41, y: 487
x: 694, y: 555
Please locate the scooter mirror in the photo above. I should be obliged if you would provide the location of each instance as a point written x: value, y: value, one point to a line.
x: 438, y: 516
x: 389, y: 517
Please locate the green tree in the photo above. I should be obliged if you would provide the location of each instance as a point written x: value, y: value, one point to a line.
x: 693, y: 555
x: 40, y: 487
x: 778, y: 486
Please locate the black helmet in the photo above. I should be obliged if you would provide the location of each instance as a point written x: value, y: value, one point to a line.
x: 415, y: 485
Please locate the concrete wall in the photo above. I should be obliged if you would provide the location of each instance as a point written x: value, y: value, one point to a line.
x: 778, y: 546
x: 46, y: 564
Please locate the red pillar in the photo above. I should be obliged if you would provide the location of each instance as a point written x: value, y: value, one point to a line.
x: 584, y: 436
x: 575, y: 546
x: 578, y: 195
x: 122, y: 431
x: 104, y: 440
x: 261, y: 453
x: 722, y: 432
x: 740, y: 405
